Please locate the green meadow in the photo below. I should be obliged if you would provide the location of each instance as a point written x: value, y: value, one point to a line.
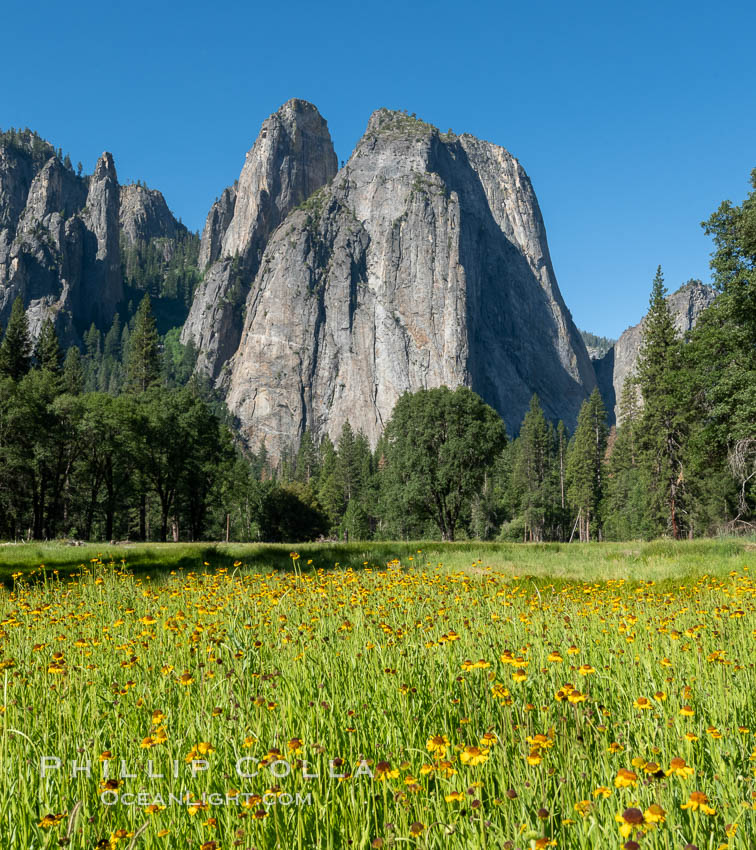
x: 637, y: 560
x: 378, y: 695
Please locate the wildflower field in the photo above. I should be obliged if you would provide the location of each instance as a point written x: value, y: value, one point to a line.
x: 403, y: 703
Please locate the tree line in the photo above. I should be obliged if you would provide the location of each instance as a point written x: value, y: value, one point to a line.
x: 123, y: 441
x: 681, y: 461
x: 31, y: 144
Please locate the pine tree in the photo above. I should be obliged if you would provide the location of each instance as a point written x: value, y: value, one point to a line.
x: 285, y: 467
x: 112, y: 345
x: 73, y: 372
x: 365, y: 470
x: 307, y: 459
x: 143, y: 365
x: 115, y: 384
x: 330, y: 491
x: 532, y: 471
x: 348, y: 466
x: 626, y: 493
x: 125, y: 337
x: 93, y: 343
x: 92, y: 357
x: 484, y: 507
x: 47, y: 352
x: 722, y: 360
x: 353, y: 474
x: 663, y: 426
x: 16, y: 348
x: 356, y: 523
x: 561, y: 445
x: 585, y: 460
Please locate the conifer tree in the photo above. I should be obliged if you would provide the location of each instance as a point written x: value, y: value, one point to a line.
x: 585, y: 460
x: 112, y: 344
x: 356, y: 523
x: 125, y: 336
x: 47, y: 352
x: 663, y: 426
x: 16, y: 348
x: 330, y: 491
x: 353, y: 477
x: 73, y: 372
x: 143, y: 365
x: 561, y: 447
x: 348, y: 465
x: 306, y: 468
x: 722, y: 359
x: 93, y: 344
x: 626, y: 493
x: 532, y: 471
x: 365, y: 469
x: 92, y: 357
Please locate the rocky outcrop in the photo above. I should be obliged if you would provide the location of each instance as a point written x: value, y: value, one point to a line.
x: 144, y: 215
x: 292, y: 157
x: 58, y: 237
x: 618, y: 364
x: 102, y: 285
x: 218, y: 220
x: 424, y: 262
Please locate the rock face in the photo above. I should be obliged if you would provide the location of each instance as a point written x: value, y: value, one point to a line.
x: 218, y: 220
x: 619, y: 363
x: 102, y: 286
x: 143, y: 215
x: 424, y: 262
x: 292, y: 157
x: 149, y: 234
x: 58, y: 237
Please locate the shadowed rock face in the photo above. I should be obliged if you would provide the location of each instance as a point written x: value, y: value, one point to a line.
x: 619, y: 363
x: 292, y: 157
x: 424, y: 262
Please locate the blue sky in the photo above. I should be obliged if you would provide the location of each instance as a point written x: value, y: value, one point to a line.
x: 633, y: 121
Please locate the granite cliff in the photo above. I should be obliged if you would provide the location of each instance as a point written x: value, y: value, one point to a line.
x: 324, y: 293
x: 62, y: 234
x: 423, y: 262
x: 144, y: 215
x: 292, y: 158
x: 58, y: 237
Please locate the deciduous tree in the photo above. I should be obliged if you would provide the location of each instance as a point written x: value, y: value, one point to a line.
x: 439, y: 444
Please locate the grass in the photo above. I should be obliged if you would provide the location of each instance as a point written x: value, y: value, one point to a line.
x: 658, y: 560
x: 439, y: 698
